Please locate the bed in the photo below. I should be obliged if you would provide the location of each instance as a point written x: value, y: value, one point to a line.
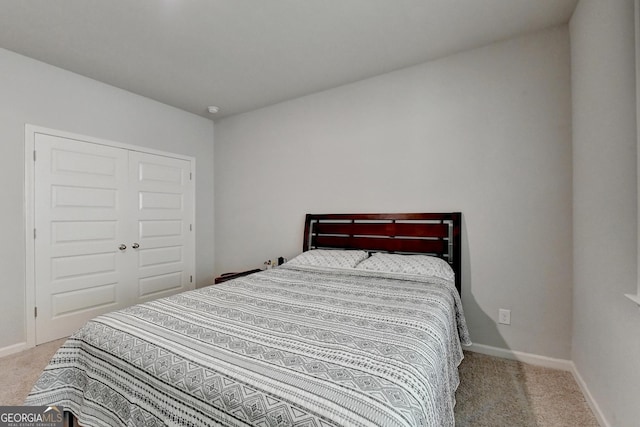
x: 358, y: 330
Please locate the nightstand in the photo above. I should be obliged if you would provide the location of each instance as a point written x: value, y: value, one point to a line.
x: 230, y: 276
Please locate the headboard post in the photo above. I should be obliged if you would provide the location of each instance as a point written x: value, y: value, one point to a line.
x: 457, y: 248
x: 307, y: 232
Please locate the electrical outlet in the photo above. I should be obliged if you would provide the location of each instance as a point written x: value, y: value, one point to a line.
x: 504, y: 316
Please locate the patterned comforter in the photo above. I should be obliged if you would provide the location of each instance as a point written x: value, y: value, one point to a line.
x: 292, y: 346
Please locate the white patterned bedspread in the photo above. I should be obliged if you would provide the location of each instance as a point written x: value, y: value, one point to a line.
x: 292, y: 346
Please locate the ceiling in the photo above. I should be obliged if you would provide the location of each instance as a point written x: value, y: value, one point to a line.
x: 245, y: 54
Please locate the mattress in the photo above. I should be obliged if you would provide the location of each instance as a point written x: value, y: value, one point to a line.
x: 291, y: 346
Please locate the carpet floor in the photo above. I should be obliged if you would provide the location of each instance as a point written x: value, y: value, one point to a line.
x: 493, y: 392
x: 499, y: 392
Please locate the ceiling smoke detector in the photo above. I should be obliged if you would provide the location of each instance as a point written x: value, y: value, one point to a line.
x: 213, y: 109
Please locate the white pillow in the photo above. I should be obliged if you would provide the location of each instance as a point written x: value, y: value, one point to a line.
x: 330, y: 258
x: 411, y: 264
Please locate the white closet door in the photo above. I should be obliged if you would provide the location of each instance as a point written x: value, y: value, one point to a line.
x: 80, y: 221
x: 112, y: 229
x: 162, y: 208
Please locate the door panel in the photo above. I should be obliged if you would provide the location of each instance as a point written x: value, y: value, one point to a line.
x: 161, y: 283
x: 163, y: 192
x: 79, y: 194
x: 85, y: 299
x: 83, y: 232
x: 169, y: 201
x: 160, y: 256
x: 63, y: 196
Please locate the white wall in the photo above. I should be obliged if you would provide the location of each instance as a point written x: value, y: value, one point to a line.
x: 36, y: 93
x: 486, y: 132
x: 606, y: 325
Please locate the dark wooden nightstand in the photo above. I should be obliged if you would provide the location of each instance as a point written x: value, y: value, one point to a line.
x: 229, y: 276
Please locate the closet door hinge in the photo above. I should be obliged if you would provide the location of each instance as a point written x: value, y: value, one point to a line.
x: 190, y: 176
x: 190, y: 227
x: 35, y: 311
x: 34, y: 233
x: 34, y: 155
x: 190, y: 279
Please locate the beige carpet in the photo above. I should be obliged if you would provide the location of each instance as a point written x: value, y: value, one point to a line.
x: 499, y: 392
x: 20, y: 371
x: 493, y: 392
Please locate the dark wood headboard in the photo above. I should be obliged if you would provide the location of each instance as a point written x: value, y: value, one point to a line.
x: 436, y: 234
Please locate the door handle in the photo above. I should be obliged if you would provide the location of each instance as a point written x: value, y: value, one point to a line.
x: 135, y: 246
x: 122, y: 247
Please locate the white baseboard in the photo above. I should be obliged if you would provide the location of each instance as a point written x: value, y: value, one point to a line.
x: 547, y: 362
x: 531, y: 359
x: 12, y: 349
x: 589, y: 398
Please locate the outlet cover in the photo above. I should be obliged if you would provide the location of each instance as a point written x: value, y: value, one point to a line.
x: 504, y: 316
